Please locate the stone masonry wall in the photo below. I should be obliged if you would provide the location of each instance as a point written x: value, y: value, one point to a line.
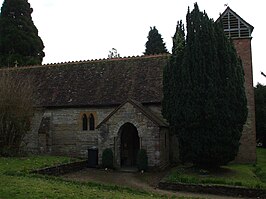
x: 66, y: 134
x: 247, y: 150
x: 109, y: 135
x: 31, y: 138
x: 68, y: 138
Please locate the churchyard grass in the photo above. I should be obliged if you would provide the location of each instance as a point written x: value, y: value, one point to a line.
x: 27, y: 164
x: 246, y: 175
x: 260, y: 167
x: 17, y: 182
x: 21, y: 187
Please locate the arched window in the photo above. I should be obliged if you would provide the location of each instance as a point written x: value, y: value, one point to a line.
x: 84, y: 122
x: 92, y: 122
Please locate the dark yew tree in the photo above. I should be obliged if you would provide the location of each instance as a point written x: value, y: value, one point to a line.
x: 210, y: 104
x: 19, y: 41
x: 155, y: 44
x: 260, y: 110
x: 170, y: 79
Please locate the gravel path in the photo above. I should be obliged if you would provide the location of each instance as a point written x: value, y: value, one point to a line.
x: 147, y: 181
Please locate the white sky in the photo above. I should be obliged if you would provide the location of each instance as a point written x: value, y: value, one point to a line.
x: 74, y: 30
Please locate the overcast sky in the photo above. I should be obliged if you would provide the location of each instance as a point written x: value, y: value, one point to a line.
x: 74, y: 30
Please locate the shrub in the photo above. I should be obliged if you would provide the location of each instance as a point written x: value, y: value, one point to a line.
x: 16, y: 110
x: 107, y: 158
x: 142, y: 160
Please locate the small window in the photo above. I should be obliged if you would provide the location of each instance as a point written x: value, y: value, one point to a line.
x: 84, y: 122
x: 92, y: 122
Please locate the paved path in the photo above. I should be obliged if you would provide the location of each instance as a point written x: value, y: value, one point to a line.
x: 147, y: 181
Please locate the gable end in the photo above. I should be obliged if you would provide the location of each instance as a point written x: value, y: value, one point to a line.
x: 234, y: 26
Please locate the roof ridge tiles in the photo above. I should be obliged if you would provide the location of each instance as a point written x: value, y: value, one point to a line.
x: 125, y: 58
x: 95, y: 83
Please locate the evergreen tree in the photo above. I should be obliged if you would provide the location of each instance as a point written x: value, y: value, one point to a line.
x: 155, y: 44
x: 19, y: 41
x: 260, y: 110
x: 170, y: 79
x: 209, y: 104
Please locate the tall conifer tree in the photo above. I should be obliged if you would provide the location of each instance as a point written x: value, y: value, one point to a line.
x: 19, y: 41
x: 155, y: 44
x: 260, y: 112
x: 171, y: 79
x: 210, y: 108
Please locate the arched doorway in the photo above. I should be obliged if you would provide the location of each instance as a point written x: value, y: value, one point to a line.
x: 129, y: 145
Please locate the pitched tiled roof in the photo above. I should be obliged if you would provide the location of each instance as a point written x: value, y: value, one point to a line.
x: 98, y: 82
x: 157, y: 119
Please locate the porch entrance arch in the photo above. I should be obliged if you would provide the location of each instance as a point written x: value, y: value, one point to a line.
x: 130, y: 145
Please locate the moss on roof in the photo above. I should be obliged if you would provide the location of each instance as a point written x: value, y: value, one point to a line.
x: 98, y: 82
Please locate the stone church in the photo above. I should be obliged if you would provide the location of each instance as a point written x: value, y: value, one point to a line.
x: 116, y: 103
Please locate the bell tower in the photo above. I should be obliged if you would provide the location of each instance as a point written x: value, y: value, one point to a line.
x: 240, y: 32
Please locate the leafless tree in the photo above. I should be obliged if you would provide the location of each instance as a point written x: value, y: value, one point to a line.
x: 16, y: 110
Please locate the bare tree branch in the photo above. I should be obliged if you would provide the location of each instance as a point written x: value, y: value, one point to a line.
x: 16, y: 110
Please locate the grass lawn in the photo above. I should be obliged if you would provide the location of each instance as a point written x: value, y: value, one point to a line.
x: 247, y: 175
x: 20, y: 187
x: 17, y: 183
x: 26, y: 164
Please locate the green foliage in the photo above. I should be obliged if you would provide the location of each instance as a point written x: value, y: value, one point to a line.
x: 170, y: 75
x: 260, y: 110
x: 19, y: 40
x: 208, y: 105
x: 155, y: 44
x: 107, y: 159
x: 260, y: 167
x: 142, y: 160
x: 245, y: 175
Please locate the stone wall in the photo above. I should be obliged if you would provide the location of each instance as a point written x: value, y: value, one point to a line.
x: 65, y: 136
x: 62, y: 169
x: 227, y: 190
x: 247, y: 150
x: 148, y: 132
x: 68, y: 136
x: 31, y: 138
